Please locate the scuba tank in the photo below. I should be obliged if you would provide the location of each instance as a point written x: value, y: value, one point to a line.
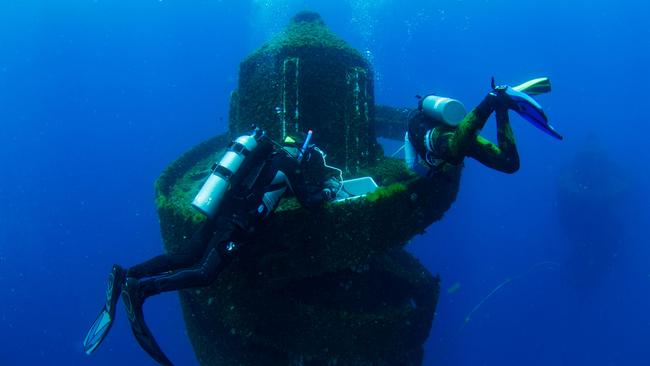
x: 208, y: 200
x: 446, y: 110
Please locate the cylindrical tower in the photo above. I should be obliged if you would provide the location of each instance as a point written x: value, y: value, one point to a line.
x: 315, y: 287
x: 308, y: 78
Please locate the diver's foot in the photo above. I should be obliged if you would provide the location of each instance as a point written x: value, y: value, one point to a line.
x: 132, y: 297
x: 500, y: 99
x: 496, y: 100
x: 507, y: 97
x: 133, y: 300
x: 115, y: 281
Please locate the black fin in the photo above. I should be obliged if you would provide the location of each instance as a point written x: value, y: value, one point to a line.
x: 133, y: 303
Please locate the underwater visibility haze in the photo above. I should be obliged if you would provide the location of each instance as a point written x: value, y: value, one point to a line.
x: 546, y: 266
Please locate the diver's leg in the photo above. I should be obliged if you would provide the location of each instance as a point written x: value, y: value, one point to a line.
x: 161, y: 264
x: 191, y: 253
x: 155, y: 266
x: 135, y: 292
x: 203, y: 274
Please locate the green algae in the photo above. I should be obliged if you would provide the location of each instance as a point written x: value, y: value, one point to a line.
x: 331, y: 284
x: 342, y: 320
x: 241, y: 310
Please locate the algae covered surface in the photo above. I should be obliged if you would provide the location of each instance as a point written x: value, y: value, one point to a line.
x: 310, y: 284
x: 338, y: 235
x: 331, y: 285
x: 308, y: 78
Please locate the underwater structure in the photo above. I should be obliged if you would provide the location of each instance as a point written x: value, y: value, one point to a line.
x: 331, y: 286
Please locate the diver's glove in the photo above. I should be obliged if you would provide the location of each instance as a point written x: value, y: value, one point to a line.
x: 328, y: 194
x: 514, y: 98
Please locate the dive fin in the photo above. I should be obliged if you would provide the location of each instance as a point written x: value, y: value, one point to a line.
x: 98, y: 331
x: 531, y: 111
x: 147, y: 341
x: 535, y: 86
x: 133, y: 303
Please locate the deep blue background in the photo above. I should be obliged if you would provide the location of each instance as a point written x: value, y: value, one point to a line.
x: 97, y: 97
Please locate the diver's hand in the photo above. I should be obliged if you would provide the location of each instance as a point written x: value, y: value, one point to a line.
x: 516, y: 99
x: 501, y: 98
x: 328, y: 194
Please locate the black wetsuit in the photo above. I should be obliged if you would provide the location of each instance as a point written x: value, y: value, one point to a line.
x: 242, y: 211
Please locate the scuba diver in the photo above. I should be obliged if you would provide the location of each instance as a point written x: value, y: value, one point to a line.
x: 440, y: 132
x: 243, y: 189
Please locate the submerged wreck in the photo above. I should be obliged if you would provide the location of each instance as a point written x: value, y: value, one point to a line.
x: 332, y: 286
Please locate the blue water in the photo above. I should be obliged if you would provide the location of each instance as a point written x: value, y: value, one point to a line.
x: 97, y: 97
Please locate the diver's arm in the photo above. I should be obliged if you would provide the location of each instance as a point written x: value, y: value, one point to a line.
x: 504, y: 157
x: 309, y: 195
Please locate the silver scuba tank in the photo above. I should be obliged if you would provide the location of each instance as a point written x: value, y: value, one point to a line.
x: 208, y: 199
x: 446, y: 110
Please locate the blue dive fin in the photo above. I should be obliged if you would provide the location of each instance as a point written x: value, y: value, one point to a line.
x: 98, y: 331
x: 531, y: 111
x: 104, y: 321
